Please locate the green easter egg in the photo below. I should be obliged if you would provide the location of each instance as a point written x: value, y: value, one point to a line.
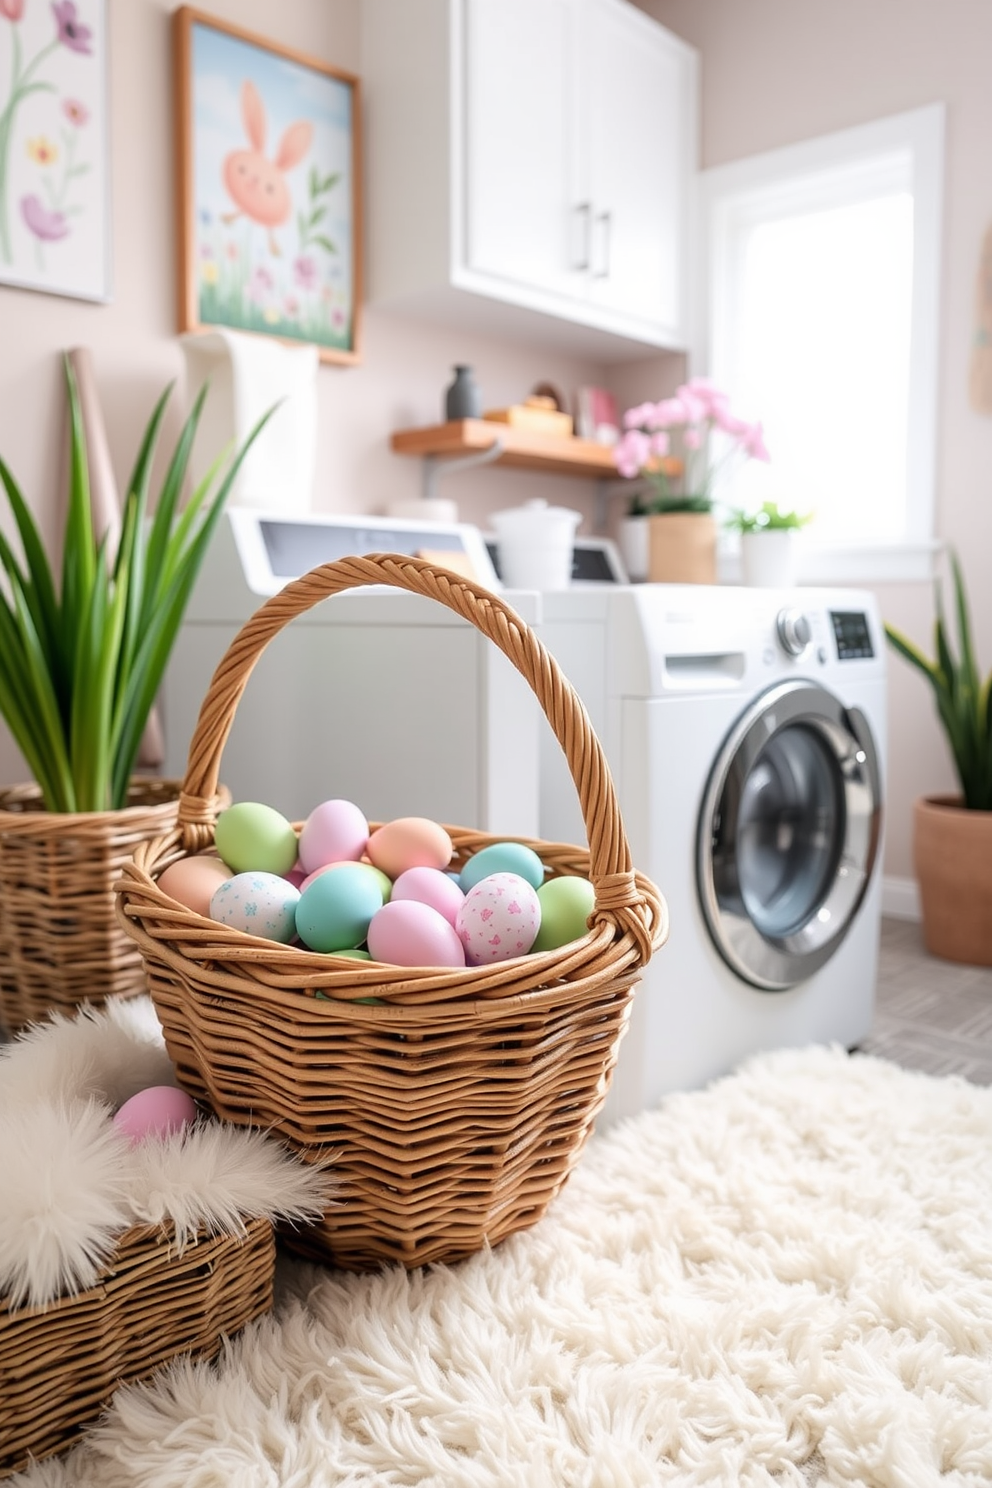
x: 253, y: 838
x: 566, y: 904
x: 502, y: 857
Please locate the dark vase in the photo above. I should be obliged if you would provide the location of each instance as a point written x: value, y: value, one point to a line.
x: 463, y: 399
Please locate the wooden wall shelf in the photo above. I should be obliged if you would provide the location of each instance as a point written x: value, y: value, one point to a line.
x: 524, y: 449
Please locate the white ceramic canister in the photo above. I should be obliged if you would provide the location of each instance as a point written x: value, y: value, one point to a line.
x: 534, y: 544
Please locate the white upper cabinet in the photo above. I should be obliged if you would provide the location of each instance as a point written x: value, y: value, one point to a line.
x: 529, y: 168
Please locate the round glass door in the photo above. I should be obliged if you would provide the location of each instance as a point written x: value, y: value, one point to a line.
x: 788, y: 834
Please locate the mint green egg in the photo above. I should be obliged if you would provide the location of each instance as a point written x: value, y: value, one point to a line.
x: 254, y: 838
x: 566, y: 904
x: 502, y: 857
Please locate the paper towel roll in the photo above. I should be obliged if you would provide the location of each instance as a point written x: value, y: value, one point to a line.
x: 248, y: 375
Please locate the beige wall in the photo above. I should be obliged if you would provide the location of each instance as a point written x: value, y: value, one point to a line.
x: 777, y: 71
x: 773, y: 71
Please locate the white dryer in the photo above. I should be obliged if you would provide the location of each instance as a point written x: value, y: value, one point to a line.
x: 745, y: 730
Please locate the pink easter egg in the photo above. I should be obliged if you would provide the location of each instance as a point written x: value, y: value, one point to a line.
x: 407, y: 933
x: 499, y: 919
x: 431, y: 886
x: 155, y: 1112
x: 335, y: 831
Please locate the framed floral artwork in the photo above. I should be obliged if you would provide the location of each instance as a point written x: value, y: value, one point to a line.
x: 54, y: 147
x: 268, y: 182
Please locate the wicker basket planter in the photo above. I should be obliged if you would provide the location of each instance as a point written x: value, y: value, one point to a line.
x: 458, y: 1105
x: 60, y: 1365
x: 60, y: 941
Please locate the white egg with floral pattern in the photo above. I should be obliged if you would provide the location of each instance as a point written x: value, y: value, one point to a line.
x: 262, y: 904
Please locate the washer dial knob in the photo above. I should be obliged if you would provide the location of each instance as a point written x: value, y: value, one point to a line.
x: 794, y: 631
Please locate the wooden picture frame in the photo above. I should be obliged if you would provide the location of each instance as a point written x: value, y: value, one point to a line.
x: 55, y: 227
x: 269, y: 173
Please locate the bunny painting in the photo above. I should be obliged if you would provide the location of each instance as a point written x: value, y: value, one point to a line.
x: 257, y: 186
x: 269, y: 170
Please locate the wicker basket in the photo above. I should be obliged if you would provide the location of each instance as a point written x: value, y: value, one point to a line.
x: 60, y: 1365
x: 60, y: 941
x: 457, y: 1108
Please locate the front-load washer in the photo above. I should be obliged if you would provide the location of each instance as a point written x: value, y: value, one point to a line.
x: 745, y: 731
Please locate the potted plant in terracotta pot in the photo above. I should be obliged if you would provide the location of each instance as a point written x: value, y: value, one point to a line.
x: 768, y: 544
x: 682, y: 528
x: 81, y: 660
x: 952, y: 835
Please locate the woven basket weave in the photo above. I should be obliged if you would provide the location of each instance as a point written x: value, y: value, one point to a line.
x: 60, y: 1365
x: 60, y: 942
x: 457, y: 1108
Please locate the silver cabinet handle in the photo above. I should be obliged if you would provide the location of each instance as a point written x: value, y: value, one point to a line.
x: 584, y: 212
x: 605, y: 219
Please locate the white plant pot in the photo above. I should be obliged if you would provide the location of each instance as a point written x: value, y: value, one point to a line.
x: 632, y: 540
x: 769, y: 560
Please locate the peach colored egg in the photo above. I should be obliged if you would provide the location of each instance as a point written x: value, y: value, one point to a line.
x: 192, y: 881
x: 409, y: 842
x: 155, y: 1112
x: 406, y: 933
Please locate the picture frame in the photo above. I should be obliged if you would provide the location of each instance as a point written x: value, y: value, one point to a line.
x: 269, y: 171
x: 55, y: 224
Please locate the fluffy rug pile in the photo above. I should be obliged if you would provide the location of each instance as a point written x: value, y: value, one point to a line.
x: 783, y: 1279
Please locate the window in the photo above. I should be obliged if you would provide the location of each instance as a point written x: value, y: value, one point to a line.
x: 818, y: 311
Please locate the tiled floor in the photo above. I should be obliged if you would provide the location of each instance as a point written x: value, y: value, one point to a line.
x: 931, y: 1015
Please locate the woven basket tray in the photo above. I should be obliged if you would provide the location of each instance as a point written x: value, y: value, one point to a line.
x: 60, y: 1365
x: 457, y: 1108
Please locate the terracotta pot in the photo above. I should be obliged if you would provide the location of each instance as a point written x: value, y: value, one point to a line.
x: 682, y: 548
x: 952, y: 856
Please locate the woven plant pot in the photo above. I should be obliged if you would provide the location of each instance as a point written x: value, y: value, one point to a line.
x: 457, y: 1106
x: 60, y: 1365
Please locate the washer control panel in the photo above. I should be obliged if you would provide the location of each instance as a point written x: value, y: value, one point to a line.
x: 851, y: 634
x: 794, y: 631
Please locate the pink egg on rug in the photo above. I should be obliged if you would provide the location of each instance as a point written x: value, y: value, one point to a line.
x: 155, y: 1112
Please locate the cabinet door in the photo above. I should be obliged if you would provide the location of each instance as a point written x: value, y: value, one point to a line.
x: 637, y: 128
x: 524, y: 219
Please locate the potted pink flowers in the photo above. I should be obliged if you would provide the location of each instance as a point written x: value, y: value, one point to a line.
x: 675, y: 449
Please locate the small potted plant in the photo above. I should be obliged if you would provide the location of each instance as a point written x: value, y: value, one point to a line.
x: 952, y: 834
x: 81, y: 662
x: 680, y: 488
x: 768, y: 544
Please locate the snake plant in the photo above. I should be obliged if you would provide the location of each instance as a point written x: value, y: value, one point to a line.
x: 81, y: 662
x: 964, y: 700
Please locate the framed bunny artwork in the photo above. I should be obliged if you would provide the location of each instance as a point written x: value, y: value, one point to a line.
x: 269, y: 174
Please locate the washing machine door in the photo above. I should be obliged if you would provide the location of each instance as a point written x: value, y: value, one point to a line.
x: 788, y: 833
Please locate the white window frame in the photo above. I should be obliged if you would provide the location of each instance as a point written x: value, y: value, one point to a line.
x: 904, y: 151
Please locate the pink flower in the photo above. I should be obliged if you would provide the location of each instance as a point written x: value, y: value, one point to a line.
x: 77, y: 113
x: 12, y: 10
x: 666, y: 414
x: 660, y: 443
x: 72, y: 33
x: 47, y: 226
x: 753, y: 443
x: 305, y: 272
x: 639, y: 415
x: 692, y: 438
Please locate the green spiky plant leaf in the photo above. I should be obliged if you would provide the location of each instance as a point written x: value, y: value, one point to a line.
x: 963, y: 699
x: 81, y: 664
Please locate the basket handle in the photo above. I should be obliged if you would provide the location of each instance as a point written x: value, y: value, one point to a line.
x: 619, y: 897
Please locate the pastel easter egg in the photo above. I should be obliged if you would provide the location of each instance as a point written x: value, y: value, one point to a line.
x: 566, y: 904
x: 409, y: 842
x: 499, y: 919
x: 407, y: 933
x: 335, y: 831
x: 385, y: 884
x: 261, y: 904
x: 250, y: 835
x: 192, y: 881
x: 155, y: 1112
x: 502, y: 857
x: 335, y: 908
x: 430, y: 886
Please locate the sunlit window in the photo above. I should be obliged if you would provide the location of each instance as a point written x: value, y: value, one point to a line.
x: 819, y: 311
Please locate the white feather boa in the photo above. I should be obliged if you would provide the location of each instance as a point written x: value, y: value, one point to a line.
x: 71, y: 1182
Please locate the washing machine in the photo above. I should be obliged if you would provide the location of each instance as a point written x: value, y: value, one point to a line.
x: 745, y: 731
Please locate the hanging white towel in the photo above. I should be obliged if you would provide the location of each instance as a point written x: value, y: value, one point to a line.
x: 248, y: 375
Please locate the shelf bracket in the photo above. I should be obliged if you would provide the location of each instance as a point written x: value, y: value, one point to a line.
x: 434, y: 467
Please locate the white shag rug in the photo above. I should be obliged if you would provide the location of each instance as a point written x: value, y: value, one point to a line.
x: 783, y: 1279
